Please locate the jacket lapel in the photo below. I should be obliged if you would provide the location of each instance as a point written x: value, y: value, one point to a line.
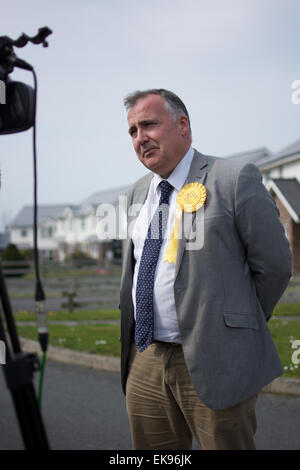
x: 197, y: 174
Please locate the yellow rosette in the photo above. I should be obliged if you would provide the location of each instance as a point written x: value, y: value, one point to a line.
x: 189, y: 199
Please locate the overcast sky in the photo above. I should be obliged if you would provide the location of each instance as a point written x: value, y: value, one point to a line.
x: 232, y: 62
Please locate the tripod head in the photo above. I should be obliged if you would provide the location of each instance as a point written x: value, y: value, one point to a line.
x: 18, y: 114
x: 8, y: 58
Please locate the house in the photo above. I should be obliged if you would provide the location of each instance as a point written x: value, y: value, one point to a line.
x: 286, y: 192
x: 21, y: 229
x: 284, y: 164
x: 77, y: 227
x: 281, y: 175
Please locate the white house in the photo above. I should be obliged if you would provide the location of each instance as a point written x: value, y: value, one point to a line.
x: 77, y: 226
x: 21, y: 229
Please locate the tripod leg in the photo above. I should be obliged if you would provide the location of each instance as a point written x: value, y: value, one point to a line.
x: 18, y: 372
x: 30, y: 420
x: 8, y: 314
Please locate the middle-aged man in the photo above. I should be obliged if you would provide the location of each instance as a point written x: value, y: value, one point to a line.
x: 196, y: 347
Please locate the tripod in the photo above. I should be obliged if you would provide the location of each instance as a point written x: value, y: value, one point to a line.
x: 19, y: 115
x: 18, y: 372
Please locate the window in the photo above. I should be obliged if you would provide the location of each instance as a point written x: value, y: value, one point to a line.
x: 23, y: 233
x: 46, y: 232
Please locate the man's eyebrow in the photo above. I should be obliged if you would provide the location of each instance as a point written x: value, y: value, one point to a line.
x: 142, y: 123
x: 145, y: 121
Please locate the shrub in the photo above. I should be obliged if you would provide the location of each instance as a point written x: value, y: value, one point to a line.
x: 10, y: 257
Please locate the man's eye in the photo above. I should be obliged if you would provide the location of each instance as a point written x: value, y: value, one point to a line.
x: 132, y: 132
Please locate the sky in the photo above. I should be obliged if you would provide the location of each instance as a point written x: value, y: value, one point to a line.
x: 232, y: 62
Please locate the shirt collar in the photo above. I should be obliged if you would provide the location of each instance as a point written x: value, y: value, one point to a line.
x: 179, y: 174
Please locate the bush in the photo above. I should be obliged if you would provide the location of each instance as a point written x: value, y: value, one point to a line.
x: 12, y: 253
x: 10, y: 257
x: 27, y: 254
x: 80, y: 259
x: 79, y: 255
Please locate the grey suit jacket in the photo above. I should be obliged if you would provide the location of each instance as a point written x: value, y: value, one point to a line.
x: 226, y: 290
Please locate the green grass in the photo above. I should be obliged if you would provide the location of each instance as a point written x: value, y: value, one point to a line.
x: 284, y: 332
x: 90, y: 338
x: 77, y: 315
x: 93, y: 339
x: 49, y: 272
x: 283, y: 309
x: 61, y: 274
x: 287, y: 309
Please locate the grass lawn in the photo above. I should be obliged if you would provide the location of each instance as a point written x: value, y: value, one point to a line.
x: 283, y: 309
x: 94, y: 339
x: 284, y: 332
x: 104, y: 338
x: 58, y: 272
x: 76, y: 315
x: 287, y: 309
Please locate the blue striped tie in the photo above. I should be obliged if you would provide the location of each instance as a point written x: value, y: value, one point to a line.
x: 144, y: 326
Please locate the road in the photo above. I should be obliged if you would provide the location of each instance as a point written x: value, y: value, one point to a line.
x: 84, y: 409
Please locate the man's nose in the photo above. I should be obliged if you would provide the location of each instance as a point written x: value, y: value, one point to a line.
x: 142, y: 136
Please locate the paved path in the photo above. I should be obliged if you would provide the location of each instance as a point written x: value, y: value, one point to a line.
x: 84, y: 409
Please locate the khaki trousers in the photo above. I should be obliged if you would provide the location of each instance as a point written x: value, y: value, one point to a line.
x: 165, y: 411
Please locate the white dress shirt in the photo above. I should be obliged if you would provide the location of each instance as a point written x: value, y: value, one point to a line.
x: 165, y: 317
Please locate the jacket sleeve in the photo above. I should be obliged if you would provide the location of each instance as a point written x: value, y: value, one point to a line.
x: 262, y: 234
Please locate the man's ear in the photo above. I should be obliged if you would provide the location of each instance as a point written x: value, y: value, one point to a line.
x: 184, y: 125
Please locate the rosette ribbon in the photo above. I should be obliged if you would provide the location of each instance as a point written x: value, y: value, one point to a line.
x: 189, y: 199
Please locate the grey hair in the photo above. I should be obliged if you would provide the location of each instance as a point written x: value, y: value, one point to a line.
x: 173, y: 103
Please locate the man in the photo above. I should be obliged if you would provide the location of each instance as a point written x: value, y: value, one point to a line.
x: 196, y: 348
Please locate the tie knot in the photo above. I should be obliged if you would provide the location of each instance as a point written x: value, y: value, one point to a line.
x: 165, y: 188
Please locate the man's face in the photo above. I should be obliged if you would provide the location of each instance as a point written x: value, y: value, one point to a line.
x: 159, y: 141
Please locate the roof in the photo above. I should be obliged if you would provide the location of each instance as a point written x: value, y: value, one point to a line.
x: 251, y: 156
x: 109, y: 196
x: 291, y: 149
x: 288, y: 191
x: 25, y: 217
x: 289, y: 152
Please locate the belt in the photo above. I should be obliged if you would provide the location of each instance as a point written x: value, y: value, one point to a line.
x: 167, y: 343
